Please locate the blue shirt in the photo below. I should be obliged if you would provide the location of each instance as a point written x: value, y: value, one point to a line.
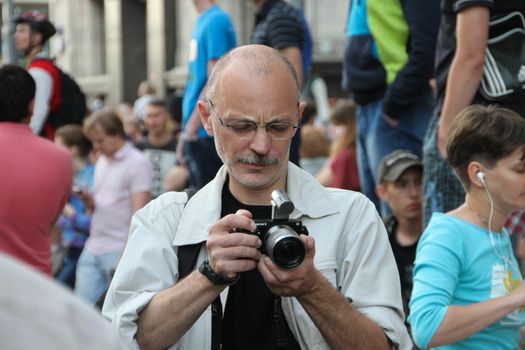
x: 212, y: 37
x: 456, y: 264
x: 75, y: 229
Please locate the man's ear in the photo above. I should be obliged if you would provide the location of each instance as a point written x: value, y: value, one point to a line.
x: 30, y: 109
x: 381, y: 192
x: 205, y: 115
x: 300, y: 110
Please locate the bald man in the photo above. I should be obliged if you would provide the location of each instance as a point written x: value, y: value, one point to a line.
x: 343, y: 293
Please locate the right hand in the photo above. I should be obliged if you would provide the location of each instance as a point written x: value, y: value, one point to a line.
x: 519, y: 292
x: 233, y: 252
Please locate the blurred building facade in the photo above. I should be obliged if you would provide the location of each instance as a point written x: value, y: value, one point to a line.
x: 110, y: 46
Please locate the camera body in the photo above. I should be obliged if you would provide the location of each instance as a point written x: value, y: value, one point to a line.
x: 280, y: 235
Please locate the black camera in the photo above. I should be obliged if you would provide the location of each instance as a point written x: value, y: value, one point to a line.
x: 280, y: 235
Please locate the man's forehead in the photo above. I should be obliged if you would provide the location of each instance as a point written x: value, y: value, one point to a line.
x: 23, y: 25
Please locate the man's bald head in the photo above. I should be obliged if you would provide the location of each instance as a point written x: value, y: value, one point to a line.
x: 256, y: 60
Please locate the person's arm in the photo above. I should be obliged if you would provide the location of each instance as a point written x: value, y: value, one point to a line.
x: 466, y: 69
x: 294, y: 55
x: 286, y: 33
x: 411, y: 79
x: 194, y: 123
x: 44, y: 90
x: 325, y: 176
x: 140, y: 184
x: 461, y: 322
x: 139, y: 199
x: 342, y: 326
x: 171, y: 312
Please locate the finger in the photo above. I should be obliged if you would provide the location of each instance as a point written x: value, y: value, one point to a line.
x: 264, y: 270
x: 231, y: 221
x: 308, y: 241
x: 236, y: 252
x: 232, y: 267
x: 236, y: 239
x: 244, y: 212
x: 275, y: 274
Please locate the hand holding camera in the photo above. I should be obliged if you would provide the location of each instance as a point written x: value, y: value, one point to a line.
x: 297, y: 282
x: 280, y: 235
x: 231, y: 253
x: 236, y: 243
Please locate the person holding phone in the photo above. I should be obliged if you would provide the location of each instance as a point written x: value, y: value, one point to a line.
x: 75, y: 220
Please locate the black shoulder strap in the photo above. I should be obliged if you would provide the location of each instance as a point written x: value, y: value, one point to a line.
x: 188, y: 254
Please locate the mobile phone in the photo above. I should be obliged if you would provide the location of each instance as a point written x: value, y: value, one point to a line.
x: 76, y: 189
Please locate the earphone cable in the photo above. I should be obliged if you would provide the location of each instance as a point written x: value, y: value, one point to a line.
x: 506, y: 259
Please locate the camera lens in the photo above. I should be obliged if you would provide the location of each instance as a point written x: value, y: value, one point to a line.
x: 284, y: 247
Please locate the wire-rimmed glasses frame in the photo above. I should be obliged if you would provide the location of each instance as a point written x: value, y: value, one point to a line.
x: 246, y: 129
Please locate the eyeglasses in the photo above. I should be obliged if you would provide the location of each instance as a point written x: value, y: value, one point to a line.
x: 246, y: 129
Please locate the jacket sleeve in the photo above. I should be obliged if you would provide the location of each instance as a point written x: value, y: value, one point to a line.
x: 148, y: 265
x: 423, y: 19
x: 369, y: 274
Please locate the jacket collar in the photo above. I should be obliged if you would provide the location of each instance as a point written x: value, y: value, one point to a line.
x: 310, y: 198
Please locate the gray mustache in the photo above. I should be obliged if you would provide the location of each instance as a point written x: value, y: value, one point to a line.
x: 256, y: 159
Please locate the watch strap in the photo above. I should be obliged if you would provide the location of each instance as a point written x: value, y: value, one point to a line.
x: 215, y: 278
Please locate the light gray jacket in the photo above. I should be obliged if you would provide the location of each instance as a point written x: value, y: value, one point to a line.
x: 352, y: 252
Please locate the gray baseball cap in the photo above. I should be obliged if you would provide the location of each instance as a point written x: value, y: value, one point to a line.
x: 394, y: 165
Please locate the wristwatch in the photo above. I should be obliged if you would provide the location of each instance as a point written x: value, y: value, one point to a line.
x: 215, y: 278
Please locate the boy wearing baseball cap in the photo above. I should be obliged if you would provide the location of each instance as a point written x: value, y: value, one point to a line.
x: 400, y: 186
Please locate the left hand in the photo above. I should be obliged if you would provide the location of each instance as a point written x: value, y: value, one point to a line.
x: 68, y: 210
x: 293, y: 282
x: 391, y: 121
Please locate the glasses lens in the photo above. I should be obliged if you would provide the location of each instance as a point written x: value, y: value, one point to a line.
x: 279, y: 130
x: 243, y: 128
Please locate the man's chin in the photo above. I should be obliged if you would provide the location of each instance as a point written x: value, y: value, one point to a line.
x: 254, y: 180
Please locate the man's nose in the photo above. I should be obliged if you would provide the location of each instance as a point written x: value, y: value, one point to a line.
x: 415, y: 190
x: 261, y: 141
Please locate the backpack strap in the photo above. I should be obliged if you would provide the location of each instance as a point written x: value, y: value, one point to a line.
x: 50, y: 67
x: 188, y: 254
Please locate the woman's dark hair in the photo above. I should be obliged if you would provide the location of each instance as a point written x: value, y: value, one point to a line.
x: 72, y: 135
x: 17, y: 90
x: 483, y: 134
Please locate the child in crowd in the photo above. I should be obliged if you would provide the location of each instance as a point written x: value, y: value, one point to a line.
x: 76, y: 218
x: 340, y: 170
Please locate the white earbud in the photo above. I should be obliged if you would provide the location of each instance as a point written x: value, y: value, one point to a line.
x: 481, y: 176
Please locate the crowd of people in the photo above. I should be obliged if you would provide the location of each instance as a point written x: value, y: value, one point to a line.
x: 248, y: 221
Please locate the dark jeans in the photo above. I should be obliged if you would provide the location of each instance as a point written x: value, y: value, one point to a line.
x: 66, y: 274
x: 203, y: 161
x: 376, y: 138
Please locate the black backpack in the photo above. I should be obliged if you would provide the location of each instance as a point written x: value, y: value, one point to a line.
x: 72, y: 108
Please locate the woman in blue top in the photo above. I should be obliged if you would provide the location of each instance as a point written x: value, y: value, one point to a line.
x: 467, y: 285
